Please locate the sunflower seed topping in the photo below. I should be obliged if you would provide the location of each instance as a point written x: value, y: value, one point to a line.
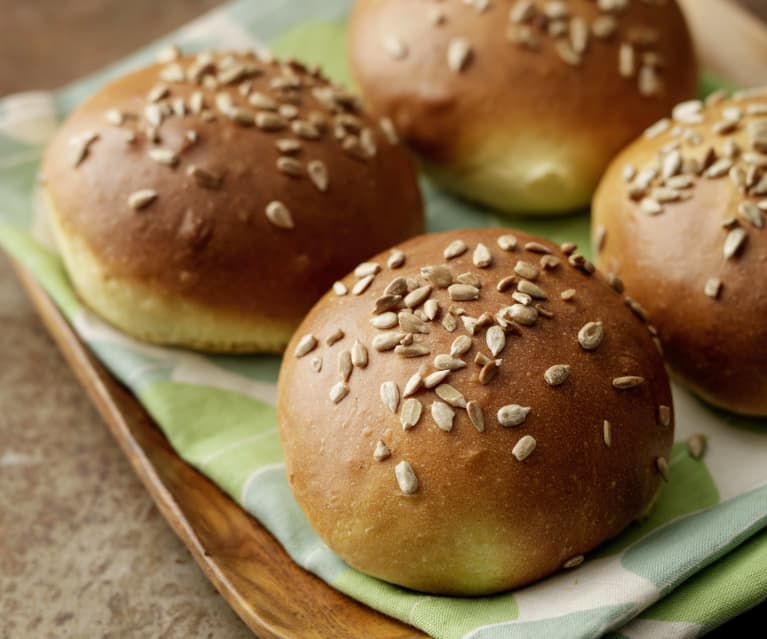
x: 396, y: 259
x: 141, y: 199
x: 411, y: 323
x: 339, y: 288
x: 440, y: 276
x: 533, y: 290
x: 751, y: 213
x: 442, y: 415
x: 713, y: 287
x: 627, y: 382
x: 734, y: 242
x: 410, y: 414
x: 573, y: 562
x: 524, y: 448
x: 568, y: 294
x: 431, y: 309
x: 435, y: 379
x: 338, y: 392
x: 413, y: 350
x: 381, y: 451
x: 591, y: 335
x: 345, y: 365
x: 418, y: 296
x: 395, y: 47
x: 386, y: 341
x: 513, y: 415
x: 607, y: 433
x: 455, y: 249
x: 696, y: 446
x: 406, y: 478
x: 557, y: 375
x: 496, y: 340
x: 525, y: 315
x: 662, y: 465
x: 458, y: 54
x: 463, y: 292
x: 450, y: 395
x: 482, y: 257
x: 336, y: 336
x: 507, y: 242
x: 445, y: 362
x: 359, y: 355
x: 390, y: 396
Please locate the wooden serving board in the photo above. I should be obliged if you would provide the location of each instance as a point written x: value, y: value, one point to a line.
x: 273, y: 595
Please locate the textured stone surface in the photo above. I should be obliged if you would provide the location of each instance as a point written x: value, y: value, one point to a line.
x: 83, y: 551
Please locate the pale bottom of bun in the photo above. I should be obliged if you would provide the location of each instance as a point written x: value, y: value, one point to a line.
x: 524, y: 176
x: 143, y: 313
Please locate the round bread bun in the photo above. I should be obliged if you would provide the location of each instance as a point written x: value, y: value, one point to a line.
x: 209, y: 201
x: 521, y: 105
x: 391, y: 422
x: 680, y: 217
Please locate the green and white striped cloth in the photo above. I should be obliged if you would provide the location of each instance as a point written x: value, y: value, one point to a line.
x: 700, y: 559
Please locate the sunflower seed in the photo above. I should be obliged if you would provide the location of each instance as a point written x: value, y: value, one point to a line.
x: 381, y: 452
x: 470, y: 279
x: 507, y: 242
x: 607, y: 433
x: 522, y: 298
x: 750, y: 212
x: 482, y: 257
x: 533, y: 290
x: 734, y: 241
x: 524, y: 448
x: 395, y: 47
x: 506, y: 283
x: 442, y: 415
x: 525, y: 315
x: 384, y: 320
x: 345, y: 365
x: 336, y: 336
x: 713, y: 287
x: 496, y: 339
x: 489, y: 371
x: 458, y: 54
x: 718, y: 168
x: 359, y: 354
x: 410, y: 323
x: 591, y: 335
x: 461, y: 345
x: 660, y: 127
x: 440, y: 276
x: 636, y: 308
x: 305, y: 345
x: 513, y: 415
x: 649, y: 82
x: 568, y: 294
x: 476, y: 416
x: 413, y: 385
x: 406, y: 478
x: 454, y: 249
x: 386, y: 341
x: 526, y: 269
x: 662, y: 465
x: 142, y: 198
x: 366, y: 268
x: 450, y: 395
x: 339, y: 288
x: 626, y: 60
x: 573, y: 562
x: 445, y: 362
x: 390, y: 396
x: 557, y: 375
x: 396, y: 259
x: 627, y: 381
x: 431, y: 309
x: 651, y: 206
x: 410, y: 414
x: 267, y: 121
x: 413, y: 350
x: 361, y: 285
x: 417, y: 297
x: 338, y: 392
x: 449, y: 322
x: 435, y: 379
x: 462, y: 292
x: 696, y: 446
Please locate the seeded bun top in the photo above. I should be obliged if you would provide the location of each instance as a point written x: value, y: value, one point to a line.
x: 520, y: 105
x: 473, y: 411
x: 680, y: 218
x: 232, y: 182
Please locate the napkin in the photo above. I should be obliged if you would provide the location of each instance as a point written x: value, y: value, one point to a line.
x: 698, y: 560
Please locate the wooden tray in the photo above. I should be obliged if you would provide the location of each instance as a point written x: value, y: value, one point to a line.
x: 271, y: 594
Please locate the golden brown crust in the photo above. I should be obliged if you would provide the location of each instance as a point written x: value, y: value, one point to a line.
x: 480, y: 521
x: 517, y: 129
x: 716, y: 345
x: 215, y: 246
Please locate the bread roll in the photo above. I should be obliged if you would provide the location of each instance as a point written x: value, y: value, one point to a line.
x: 679, y: 217
x: 209, y: 201
x: 521, y: 105
x: 477, y: 412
